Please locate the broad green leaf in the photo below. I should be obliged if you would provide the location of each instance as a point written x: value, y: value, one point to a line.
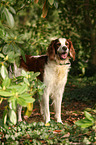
x: 1, y: 55
x: 9, y: 17
x: 11, y: 54
x: 51, y: 2
x: 22, y: 89
x: 4, y: 72
x: 6, y: 93
x: 12, y: 116
x: 27, y: 98
x: 88, y: 116
x: 7, y: 48
x: 12, y: 10
x: 21, y: 102
x: 84, y: 123
x: 25, y: 95
x: 6, y: 83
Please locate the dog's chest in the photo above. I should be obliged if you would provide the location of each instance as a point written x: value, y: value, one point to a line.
x: 55, y: 74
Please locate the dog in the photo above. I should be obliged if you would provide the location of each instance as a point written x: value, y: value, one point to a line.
x: 53, y: 68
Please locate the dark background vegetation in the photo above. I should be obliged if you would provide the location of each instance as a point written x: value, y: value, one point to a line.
x: 27, y: 27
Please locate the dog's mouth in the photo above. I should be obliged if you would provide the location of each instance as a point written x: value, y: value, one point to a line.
x: 63, y: 56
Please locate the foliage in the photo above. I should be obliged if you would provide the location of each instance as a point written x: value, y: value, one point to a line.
x: 78, y: 24
x: 38, y: 133
x: 18, y: 92
x: 88, y: 121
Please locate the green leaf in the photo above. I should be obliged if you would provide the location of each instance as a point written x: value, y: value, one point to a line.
x: 4, y: 72
x: 6, y: 93
x: 24, y: 73
x: 51, y: 2
x: 27, y: 97
x: 34, y: 75
x: 13, y: 103
x: 88, y: 116
x: 21, y: 102
x: 26, y: 81
x: 6, y: 82
x: 9, y: 17
x: 84, y: 123
x: 22, y: 89
x: 12, y: 116
x: 12, y: 10
x: 1, y: 55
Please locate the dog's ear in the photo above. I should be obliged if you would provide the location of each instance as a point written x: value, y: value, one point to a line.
x: 51, y: 50
x: 72, y: 50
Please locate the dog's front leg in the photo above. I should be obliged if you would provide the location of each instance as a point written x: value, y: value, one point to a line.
x: 45, y: 107
x: 57, y: 100
x: 19, y: 109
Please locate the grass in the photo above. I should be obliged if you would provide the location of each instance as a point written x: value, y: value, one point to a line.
x: 80, y: 93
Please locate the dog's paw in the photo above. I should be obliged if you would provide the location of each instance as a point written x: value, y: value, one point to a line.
x: 19, y: 120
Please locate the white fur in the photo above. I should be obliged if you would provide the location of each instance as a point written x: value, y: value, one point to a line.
x: 55, y: 78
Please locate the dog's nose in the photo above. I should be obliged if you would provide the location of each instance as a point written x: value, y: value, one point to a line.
x: 64, y: 48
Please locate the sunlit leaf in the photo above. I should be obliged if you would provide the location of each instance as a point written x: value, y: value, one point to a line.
x: 27, y: 97
x: 21, y: 102
x: 5, y: 93
x: 12, y: 116
x: 88, y: 116
x: 84, y: 123
x: 22, y: 89
x: 1, y: 55
x: 9, y: 17
x: 6, y: 82
x: 4, y: 72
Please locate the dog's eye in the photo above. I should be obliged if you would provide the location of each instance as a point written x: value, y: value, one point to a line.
x: 58, y: 44
x: 66, y: 43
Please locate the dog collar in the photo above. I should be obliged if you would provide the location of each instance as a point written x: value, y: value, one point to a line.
x: 64, y: 64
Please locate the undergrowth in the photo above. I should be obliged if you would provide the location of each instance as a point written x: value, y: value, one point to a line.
x: 40, y: 133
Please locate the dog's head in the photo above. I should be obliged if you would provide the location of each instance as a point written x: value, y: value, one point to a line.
x: 62, y: 48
